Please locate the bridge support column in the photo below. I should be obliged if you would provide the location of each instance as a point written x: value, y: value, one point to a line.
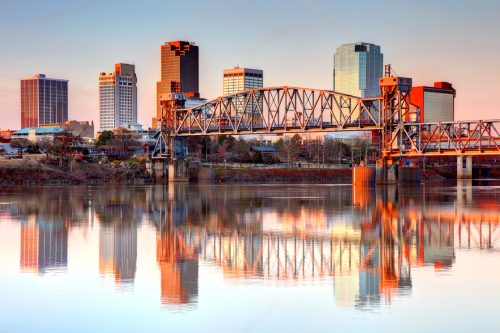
x: 178, y: 170
x: 386, y: 172
x: 464, y: 171
x: 158, y: 169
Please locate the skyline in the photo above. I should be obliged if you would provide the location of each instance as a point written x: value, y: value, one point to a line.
x: 277, y: 45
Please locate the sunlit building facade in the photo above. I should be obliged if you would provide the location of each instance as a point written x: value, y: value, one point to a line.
x: 118, y: 97
x: 240, y: 79
x: 43, y: 101
x: 179, y: 72
x: 357, y: 69
x: 437, y: 103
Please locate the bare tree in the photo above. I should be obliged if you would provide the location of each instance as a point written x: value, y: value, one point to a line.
x: 289, y: 148
x: 20, y: 143
x: 46, y: 145
x: 240, y: 149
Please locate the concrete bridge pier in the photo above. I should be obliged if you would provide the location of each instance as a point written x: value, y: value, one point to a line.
x: 157, y: 169
x: 386, y: 172
x: 363, y: 175
x: 178, y: 170
x: 464, y: 171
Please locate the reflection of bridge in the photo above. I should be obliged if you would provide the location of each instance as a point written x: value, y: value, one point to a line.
x: 365, y: 260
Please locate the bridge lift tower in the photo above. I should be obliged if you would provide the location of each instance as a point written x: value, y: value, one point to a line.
x: 170, y: 150
x: 396, y: 110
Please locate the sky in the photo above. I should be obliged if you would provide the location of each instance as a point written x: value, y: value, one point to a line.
x: 292, y: 41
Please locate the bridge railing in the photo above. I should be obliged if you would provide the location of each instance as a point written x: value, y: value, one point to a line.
x: 278, y: 110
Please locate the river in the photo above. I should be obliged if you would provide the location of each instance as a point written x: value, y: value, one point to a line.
x: 250, y: 258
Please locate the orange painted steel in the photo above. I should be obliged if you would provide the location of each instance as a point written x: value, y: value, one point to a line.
x: 290, y: 110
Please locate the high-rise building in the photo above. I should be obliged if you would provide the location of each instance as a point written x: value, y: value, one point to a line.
x: 357, y: 69
x: 118, y: 97
x: 179, y: 72
x: 240, y: 79
x: 43, y: 101
x: 437, y: 103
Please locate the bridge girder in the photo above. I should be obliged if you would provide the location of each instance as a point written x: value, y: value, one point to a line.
x: 294, y: 110
x: 276, y: 110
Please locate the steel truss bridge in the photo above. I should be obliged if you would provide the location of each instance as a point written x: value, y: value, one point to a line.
x: 289, y: 110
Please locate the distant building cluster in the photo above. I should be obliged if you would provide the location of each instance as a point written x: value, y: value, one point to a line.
x: 357, y: 68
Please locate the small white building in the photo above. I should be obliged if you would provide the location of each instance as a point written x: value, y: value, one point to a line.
x: 37, y: 133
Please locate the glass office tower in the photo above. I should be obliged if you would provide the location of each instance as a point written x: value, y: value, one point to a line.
x: 357, y: 69
x: 43, y: 101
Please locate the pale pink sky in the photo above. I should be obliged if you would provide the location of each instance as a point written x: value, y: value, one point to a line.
x: 292, y: 41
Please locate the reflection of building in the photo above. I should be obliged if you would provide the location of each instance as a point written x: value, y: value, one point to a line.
x: 44, y: 246
x: 178, y: 268
x: 436, y: 103
x: 118, y: 97
x: 43, y: 101
x: 369, y: 277
x: 118, y: 251
x: 357, y: 69
x: 179, y: 72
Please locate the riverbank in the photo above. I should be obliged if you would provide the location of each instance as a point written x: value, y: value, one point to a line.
x: 295, y: 175
x: 33, y: 172
x: 42, y: 172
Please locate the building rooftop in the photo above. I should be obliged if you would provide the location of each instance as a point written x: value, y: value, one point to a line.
x: 43, y: 77
x: 264, y: 149
x: 39, y: 130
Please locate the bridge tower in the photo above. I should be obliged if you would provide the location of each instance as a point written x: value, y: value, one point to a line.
x: 396, y: 110
x: 170, y: 150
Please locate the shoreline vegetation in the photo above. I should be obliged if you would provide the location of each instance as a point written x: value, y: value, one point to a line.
x: 134, y: 172
x: 34, y: 172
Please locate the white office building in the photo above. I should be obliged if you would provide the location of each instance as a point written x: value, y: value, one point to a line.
x: 240, y: 79
x: 118, y: 97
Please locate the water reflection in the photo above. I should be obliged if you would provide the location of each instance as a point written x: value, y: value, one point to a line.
x: 44, y: 245
x: 366, y: 242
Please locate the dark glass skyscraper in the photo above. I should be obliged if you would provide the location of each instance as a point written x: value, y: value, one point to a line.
x: 43, y: 101
x: 179, y: 71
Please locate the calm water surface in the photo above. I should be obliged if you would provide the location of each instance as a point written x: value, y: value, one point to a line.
x: 250, y: 258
